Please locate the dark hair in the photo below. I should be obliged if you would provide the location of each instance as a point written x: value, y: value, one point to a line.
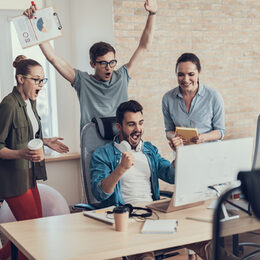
x: 100, y: 49
x: 22, y: 65
x: 189, y: 57
x: 128, y: 106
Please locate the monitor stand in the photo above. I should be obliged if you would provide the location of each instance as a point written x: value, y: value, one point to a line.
x: 227, y: 214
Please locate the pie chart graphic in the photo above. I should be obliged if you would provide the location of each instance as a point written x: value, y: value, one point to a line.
x: 43, y: 24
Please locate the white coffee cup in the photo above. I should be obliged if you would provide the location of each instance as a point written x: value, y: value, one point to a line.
x: 36, y: 145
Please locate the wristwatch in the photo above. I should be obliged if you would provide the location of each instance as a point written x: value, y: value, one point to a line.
x: 152, y: 13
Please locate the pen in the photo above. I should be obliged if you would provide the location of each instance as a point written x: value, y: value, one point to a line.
x: 199, y: 219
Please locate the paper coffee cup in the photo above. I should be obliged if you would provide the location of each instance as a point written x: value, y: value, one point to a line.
x: 121, y: 215
x: 35, y: 144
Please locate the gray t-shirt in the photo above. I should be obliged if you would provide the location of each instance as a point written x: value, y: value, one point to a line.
x: 100, y: 98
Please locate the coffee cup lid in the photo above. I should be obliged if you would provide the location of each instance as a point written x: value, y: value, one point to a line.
x: 120, y: 209
x: 35, y: 144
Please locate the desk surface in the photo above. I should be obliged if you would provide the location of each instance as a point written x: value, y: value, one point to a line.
x: 75, y: 236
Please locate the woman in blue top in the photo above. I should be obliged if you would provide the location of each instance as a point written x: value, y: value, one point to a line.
x: 192, y: 104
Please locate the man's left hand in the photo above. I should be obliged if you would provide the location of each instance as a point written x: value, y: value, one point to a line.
x: 151, y: 6
x: 198, y: 139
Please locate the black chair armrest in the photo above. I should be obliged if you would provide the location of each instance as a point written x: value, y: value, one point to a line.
x: 165, y: 193
x: 85, y: 206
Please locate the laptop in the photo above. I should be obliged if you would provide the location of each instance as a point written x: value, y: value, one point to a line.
x: 167, y: 205
x: 202, y: 165
x: 101, y: 215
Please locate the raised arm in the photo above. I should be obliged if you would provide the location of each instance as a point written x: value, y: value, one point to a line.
x: 146, y: 38
x: 59, y: 63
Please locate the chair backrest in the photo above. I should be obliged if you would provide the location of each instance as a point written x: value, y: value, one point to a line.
x: 256, y: 161
x: 93, y: 135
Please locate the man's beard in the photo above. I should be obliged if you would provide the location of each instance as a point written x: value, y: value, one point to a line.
x: 126, y: 137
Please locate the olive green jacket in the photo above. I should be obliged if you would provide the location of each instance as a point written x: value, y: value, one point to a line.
x: 15, y: 133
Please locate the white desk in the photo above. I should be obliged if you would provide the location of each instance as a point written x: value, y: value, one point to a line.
x: 75, y: 236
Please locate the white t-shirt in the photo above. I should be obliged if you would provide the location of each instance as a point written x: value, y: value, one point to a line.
x: 135, y: 183
x: 32, y: 117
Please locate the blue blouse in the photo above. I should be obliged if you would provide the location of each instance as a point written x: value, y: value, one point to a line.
x: 207, y: 111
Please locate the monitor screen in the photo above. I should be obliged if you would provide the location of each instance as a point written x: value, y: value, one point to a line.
x: 202, y: 165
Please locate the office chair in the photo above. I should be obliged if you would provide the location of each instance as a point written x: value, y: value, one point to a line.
x: 238, y: 247
x: 93, y: 135
x: 256, y: 161
x: 250, y: 183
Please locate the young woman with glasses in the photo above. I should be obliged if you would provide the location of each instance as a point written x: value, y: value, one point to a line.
x: 19, y: 166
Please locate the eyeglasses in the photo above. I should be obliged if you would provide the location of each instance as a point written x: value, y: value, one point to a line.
x: 37, y: 81
x: 104, y: 64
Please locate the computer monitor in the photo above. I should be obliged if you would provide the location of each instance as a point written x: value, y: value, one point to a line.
x: 215, y: 163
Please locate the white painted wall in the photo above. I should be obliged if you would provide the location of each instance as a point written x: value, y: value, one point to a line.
x: 65, y: 177
x: 92, y: 21
x: 18, y: 4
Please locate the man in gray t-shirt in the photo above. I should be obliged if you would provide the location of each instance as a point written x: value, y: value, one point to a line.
x: 100, y: 98
x: 101, y: 93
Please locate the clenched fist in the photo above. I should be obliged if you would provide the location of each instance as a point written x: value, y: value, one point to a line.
x: 127, y: 160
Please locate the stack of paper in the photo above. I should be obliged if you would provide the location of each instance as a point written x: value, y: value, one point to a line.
x: 160, y: 226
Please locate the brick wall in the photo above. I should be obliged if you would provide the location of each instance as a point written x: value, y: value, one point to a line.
x: 225, y: 34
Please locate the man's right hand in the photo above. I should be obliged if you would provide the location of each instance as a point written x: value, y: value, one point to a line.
x: 30, y: 11
x: 127, y: 161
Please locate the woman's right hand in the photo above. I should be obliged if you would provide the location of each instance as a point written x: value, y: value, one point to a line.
x: 30, y: 155
x: 30, y: 11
